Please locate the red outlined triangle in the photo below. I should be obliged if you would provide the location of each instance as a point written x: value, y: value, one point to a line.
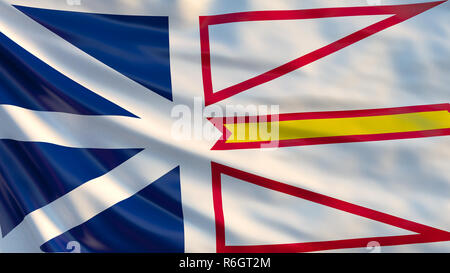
x: 424, y: 234
x: 399, y: 13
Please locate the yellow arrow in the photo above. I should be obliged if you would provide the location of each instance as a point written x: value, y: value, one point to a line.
x: 333, y: 127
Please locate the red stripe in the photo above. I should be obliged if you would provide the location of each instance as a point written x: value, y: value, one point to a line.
x: 337, y: 244
x: 218, y: 209
x: 405, y: 11
x: 222, y: 145
x: 346, y: 113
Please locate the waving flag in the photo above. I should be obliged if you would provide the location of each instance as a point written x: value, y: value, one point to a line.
x: 213, y: 126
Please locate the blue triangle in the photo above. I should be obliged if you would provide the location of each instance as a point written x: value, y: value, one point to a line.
x: 136, y: 46
x: 34, y: 174
x: 30, y: 83
x: 149, y: 221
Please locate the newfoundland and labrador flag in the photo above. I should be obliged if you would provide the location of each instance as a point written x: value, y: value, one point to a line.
x: 224, y: 126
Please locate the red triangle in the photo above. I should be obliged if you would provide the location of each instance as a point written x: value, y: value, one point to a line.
x: 399, y: 13
x: 424, y: 234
